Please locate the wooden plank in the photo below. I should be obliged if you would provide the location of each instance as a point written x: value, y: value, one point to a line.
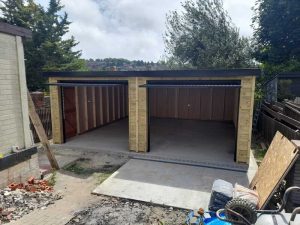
x: 279, y: 158
x: 38, y: 126
x: 281, y: 116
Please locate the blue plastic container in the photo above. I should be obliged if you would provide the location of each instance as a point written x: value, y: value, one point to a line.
x: 209, y: 218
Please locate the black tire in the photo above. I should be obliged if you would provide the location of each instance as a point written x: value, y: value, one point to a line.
x: 243, y: 207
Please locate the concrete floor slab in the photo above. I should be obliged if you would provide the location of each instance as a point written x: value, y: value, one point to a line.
x: 169, y: 184
x: 190, y: 142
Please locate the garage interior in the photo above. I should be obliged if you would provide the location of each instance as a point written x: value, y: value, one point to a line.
x: 190, y: 119
x: 194, y: 120
x: 95, y: 114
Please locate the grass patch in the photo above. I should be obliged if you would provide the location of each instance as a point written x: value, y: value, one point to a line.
x: 101, y: 177
x: 86, y: 167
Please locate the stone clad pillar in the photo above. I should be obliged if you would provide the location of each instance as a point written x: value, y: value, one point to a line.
x: 138, y: 115
x: 245, y: 119
x: 56, y: 113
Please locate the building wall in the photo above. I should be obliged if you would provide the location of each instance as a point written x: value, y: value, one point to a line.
x: 14, y: 119
x: 138, y: 111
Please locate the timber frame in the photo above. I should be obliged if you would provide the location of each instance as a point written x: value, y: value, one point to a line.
x: 138, y: 100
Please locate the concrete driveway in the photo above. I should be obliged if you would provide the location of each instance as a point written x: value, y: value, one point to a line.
x: 168, y: 184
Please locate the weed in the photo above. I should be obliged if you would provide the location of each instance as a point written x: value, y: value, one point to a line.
x: 52, y: 179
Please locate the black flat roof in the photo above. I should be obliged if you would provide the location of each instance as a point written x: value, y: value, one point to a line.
x: 289, y: 75
x: 15, y: 30
x: 158, y: 73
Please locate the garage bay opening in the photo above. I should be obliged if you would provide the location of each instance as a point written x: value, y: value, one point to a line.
x: 95, y: 114
x: 194, y: 120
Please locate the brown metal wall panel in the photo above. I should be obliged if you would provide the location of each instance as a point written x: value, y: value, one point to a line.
x: 90, y: 107
x: 219, y: 104
x: 70, y: 123
x: 229, y: 104
x: 194, y: 103
x: 206, y: 104
x: 183, y: 103
x: 98, y: 106
x: 82, y: 109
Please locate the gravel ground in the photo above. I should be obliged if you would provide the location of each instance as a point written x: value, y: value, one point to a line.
x: 113, y: 211
x: 15, y: 204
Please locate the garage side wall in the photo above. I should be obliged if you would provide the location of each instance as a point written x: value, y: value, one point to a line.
x: 98, y: 106
x: 14, y: 119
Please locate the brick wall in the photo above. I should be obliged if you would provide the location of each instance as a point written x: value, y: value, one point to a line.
x: 20, y: 172
x: 14, y: 121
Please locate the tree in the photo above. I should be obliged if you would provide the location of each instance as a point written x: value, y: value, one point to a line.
x: 49, y: 49
x: 203, y: 36
x: 276, y: 37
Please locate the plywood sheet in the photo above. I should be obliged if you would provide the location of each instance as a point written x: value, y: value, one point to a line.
x: 280, y: 157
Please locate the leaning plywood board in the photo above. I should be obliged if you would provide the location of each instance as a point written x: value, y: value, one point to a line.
x: 278, y: 160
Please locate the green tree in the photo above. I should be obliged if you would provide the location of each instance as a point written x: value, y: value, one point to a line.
x: 49, y: 49
x: 203, y: 36
x: 277, y: 35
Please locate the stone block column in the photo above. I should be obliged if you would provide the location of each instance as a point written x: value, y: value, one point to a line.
x: 246, y: 104
x: 56, y: 113
x: 138, y: 115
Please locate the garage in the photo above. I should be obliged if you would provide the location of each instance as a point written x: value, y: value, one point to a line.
x: 197, y: 118
x: 95, y: 112
x: 201, y: 115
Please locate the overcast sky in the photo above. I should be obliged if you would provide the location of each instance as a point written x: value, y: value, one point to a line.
x: 133, y: 29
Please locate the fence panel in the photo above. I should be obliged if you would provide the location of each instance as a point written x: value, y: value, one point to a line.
x: 45, y: 116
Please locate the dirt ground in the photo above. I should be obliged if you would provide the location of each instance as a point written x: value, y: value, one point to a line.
x: 109, y: 210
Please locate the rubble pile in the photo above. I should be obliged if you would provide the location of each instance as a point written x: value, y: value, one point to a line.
x: 20, y: 199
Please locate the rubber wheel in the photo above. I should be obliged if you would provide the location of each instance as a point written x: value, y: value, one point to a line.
x: 243, y: 207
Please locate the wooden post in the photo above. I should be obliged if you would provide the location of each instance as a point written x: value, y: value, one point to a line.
x: 38, y: 126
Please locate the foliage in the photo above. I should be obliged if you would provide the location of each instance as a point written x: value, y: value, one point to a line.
x: 49, y: 49
x: 203, y: 36
x: 276, y: 37
x: 123, y: 64
x: 284, y: 90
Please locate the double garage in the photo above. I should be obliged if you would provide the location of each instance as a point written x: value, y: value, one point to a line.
x: 203, y: 115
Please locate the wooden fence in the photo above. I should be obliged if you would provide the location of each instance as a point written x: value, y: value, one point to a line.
x: 45, y: 116
x: 283, y: 117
